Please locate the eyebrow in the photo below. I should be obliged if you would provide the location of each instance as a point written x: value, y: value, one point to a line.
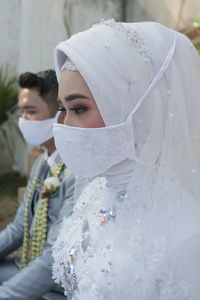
x: 75, y: 96
x: 26, y: 107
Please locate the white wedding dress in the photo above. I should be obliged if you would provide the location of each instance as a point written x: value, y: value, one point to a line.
x: 135, y: 233
x: 135, y: 254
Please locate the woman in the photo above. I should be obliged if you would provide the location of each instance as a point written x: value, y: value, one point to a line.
x: 131, y: 93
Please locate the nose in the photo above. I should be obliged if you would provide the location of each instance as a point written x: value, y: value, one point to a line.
x: 65, y: 117
x: 25, y: 115
x: 68, y: 119
x: 61, y: 118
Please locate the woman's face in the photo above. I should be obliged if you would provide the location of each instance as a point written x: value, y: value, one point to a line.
x: 77, y: 105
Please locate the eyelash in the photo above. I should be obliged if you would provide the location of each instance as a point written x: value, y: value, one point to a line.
x: 78, y: 109
x: 29, y: 112
x: 32, y: 112
x: 62, y: 109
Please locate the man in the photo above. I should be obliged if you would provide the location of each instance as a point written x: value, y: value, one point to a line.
x: 49, y: 197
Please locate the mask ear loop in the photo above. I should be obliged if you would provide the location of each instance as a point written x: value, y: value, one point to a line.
x: 155, y: 80
x: 157, y: 77
x: 56, y: 117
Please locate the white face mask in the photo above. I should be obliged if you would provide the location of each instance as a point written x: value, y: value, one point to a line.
x: 37, y: 132
x: 89, y: 152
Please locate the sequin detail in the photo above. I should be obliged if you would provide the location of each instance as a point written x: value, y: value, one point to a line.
x: 70, y: 278
x: 69, y: 65
x: 107, y: 215
x: 133, y: 36
x: 110, y: 214
x: 122, y: 195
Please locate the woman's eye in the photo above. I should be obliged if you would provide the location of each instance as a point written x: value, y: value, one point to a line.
x: 62, y: 109
x: 78, y: 109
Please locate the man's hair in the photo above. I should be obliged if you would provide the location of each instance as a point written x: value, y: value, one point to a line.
x: 47, y: 85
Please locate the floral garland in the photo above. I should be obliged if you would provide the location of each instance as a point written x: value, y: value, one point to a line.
x: 47, y: 188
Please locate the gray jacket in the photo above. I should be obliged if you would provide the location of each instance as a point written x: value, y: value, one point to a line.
x: 36, y: 278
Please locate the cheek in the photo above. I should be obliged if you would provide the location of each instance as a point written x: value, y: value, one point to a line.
x: 32, y: 118
x: 38, y: 115
x: 42, y: 111
x: 29, y: 116
x: 94, y: 120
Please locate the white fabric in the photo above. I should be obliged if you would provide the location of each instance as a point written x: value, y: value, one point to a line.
x: 98, y: 149
x: 51, y: 159
x: 135, y: 247
x: 90, y: 152
x: 41, y: 26
x: 37, y: 132
x: 134, y: 256
x: 69, y: 65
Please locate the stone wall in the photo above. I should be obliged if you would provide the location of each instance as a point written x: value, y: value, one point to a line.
x: 176, y: 14
x: 29, y: 29
x: 80, y: 15
x: 9, y: 31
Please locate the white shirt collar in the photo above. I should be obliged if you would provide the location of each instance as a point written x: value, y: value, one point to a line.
x: 51, y: 159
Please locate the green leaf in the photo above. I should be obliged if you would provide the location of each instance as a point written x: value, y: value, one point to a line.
x: 198, y: 49
x: 196, y: 23
x: 8, y: 92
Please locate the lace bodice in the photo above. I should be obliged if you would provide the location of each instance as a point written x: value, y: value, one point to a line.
x: 124, y: 257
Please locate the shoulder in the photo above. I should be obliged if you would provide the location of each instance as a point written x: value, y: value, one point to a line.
x: 92, y: 191
x: 181, y: 271
x: 87, y: 196
x: 68, y: 178
x: 40, y: 158
x: 96, y: 184
x: 36, y: 163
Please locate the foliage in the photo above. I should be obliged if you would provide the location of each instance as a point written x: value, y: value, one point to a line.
x: 9, y: 184
x: 8, y: 130
x: 198, y: 49
x: 196, y: 24
x: 8, y: 92
x: 8, y: 110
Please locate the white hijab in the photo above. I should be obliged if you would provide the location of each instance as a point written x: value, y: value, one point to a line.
x: 148, y: 68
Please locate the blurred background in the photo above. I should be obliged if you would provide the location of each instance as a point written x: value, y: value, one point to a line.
x: 29, y: 30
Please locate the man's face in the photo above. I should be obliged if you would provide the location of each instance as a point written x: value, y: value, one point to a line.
x: 31, y: 105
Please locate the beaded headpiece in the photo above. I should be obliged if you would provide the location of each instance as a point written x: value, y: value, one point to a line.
x: 69, y: 65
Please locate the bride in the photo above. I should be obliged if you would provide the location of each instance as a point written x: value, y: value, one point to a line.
x: 130, y: 95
